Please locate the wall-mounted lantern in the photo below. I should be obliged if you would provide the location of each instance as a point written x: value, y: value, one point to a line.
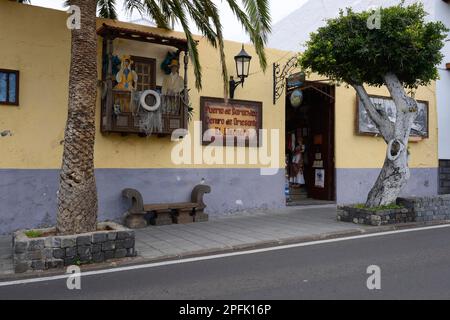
x: 242, y: 68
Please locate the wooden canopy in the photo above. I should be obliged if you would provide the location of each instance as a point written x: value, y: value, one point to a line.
x: 112, y: 32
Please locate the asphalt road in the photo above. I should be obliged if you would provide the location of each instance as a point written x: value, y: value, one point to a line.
x: 413, y: 265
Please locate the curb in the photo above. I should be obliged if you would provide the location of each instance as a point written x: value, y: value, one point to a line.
x: 238, y: 248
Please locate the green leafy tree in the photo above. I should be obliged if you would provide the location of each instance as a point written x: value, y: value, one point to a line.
x: 77, y: 195
x: 393, y: 47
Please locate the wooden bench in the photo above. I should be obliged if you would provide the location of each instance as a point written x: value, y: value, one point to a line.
x: 141, y: 215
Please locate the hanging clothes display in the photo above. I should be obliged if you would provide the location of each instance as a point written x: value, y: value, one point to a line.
x: 293, y: 141
x: 297, y: 176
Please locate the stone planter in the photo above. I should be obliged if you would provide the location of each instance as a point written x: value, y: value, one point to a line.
x: 419, y: 209
x: 37, y: 254
x: 428, y: 209
x: 375, y: 218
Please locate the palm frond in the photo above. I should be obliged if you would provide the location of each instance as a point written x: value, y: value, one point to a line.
x: 256, y: 21
x: 212, y: 12
x: 254, y: 17
x: 150, y: 8
x: 178, y: 11
x: 199, y: 17
x: 107, y: 9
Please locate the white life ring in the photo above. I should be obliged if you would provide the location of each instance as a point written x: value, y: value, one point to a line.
x: 157, y: 102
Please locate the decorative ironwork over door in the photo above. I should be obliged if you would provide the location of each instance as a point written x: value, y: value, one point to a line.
x: 279, y: 76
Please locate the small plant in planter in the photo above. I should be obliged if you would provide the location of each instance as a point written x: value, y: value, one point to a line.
x: 33, y: 234
x: 375, y: 216
x: 392, y: 206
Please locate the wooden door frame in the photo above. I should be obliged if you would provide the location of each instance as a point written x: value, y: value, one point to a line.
x: 331, y: 148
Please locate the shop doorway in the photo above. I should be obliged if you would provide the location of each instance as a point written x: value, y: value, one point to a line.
x: 310, y: 165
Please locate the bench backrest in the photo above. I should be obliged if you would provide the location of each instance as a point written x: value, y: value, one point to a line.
x: 198, y: 193
x: 137, y: 202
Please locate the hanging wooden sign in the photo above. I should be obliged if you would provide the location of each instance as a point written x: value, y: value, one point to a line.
x: 296, y: 80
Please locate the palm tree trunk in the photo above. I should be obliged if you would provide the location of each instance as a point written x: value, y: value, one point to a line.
x: 77, y: 196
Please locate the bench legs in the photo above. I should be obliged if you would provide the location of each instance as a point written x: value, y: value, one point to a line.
x: 200, y: 216
x: 183, y: 216
x: 136, y: 221
x: 162, y: 218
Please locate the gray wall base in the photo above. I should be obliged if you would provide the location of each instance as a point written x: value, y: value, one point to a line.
x: 28, y: 197
x: 353, y: 185
x: 444, y: 176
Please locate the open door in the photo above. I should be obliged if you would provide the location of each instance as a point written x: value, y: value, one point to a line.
x: 321, y: 166
x: 311, y: 125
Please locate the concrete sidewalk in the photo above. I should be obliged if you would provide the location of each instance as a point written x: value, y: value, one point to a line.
x: 242, y: 231
x: 234, y: 232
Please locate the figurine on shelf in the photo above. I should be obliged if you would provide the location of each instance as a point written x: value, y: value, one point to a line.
x: 126, y: 77
x: 127, y: 80
x: 173, y: 86
x: 173, y: 83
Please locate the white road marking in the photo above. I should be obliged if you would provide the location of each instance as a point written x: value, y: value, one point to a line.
x: 219, y: 256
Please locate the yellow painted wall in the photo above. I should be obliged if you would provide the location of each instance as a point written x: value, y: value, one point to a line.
x: 36, y: 42
x: 355, y: 151
x: 134, y: 152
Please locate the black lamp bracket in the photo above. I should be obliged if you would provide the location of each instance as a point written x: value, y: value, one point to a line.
x: 234, y: 84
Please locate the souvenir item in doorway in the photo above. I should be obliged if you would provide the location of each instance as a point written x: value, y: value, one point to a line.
x: 320, y: 178
x: 318, y: 164
x: 318, y: 139
x: 297, y: 177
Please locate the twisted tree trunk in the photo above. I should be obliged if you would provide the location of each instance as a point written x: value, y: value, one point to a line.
x: 392, y: 179
x: 77, y: 195
x: 395, y: 172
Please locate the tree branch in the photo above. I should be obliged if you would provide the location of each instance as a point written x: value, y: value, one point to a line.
x: 383, y: 124
x: 403, y: 102
x: 406, y: 106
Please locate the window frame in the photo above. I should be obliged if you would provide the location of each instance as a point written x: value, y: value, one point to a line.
x: 152, y: 63
x: 17, y: 74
